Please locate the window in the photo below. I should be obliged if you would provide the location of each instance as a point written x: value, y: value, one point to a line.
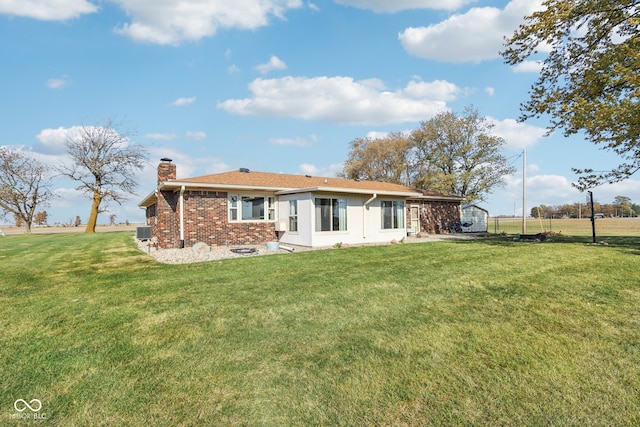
x: 233, y: 208
x: 251, y: 208
x: 293, y: 215
x: 392, y: 214
x: 271, y: 208
x: 331, y: 214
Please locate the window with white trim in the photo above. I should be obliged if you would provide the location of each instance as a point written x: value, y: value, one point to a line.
x: 293, y: 215
x: 392, y: 214
x: 233, y: 208
x: 331, y: 214
x: 251, y: 208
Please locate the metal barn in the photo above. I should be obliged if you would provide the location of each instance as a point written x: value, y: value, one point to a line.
x: 474, y: 219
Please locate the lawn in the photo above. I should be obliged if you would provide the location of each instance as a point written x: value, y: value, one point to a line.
x: 484, y: 332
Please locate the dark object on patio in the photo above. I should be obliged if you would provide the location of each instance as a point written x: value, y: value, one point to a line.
x: 244, y: 251
x: 540, y: 237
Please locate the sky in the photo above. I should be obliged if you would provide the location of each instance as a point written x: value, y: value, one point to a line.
x: 274, y: 86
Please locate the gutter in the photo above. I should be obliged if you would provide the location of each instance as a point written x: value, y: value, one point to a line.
x: 182, y: 217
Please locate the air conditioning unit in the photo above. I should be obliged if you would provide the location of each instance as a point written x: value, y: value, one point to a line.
x: 281, y: 226
x: 143, y: 233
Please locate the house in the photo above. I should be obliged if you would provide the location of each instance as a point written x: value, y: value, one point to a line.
x: 247, y: 207
x: 474, y: 219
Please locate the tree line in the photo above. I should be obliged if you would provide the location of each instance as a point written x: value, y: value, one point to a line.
x: 621, y: 207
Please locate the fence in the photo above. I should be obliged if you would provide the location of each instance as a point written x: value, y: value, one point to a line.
x: 534, y: 225
x: 566, y: 226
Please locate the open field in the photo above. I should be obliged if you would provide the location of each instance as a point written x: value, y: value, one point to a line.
x: 469, y: 332
x: 53, y: 229
x: 569, y: 226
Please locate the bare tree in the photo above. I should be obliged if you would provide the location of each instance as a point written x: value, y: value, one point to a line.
x: 104, y: 164
x: 24, y: 185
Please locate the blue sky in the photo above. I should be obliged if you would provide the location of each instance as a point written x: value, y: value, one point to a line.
x: 273, y: 85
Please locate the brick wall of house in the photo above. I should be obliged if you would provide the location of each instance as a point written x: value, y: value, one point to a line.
x: 436, y: 217
x: 205, y: 220
x: 167, y: 224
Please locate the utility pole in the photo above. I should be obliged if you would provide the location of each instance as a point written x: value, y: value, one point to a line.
x: 524, y: 191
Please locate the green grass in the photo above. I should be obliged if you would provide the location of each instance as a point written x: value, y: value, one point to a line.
x: 488, y: 332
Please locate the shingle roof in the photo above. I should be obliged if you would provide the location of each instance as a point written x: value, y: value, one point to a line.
x: 278, y: 182
x: 286, y: 181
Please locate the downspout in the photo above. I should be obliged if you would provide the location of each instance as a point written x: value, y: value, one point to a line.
x: 182, y: 217
x: 364, y: 214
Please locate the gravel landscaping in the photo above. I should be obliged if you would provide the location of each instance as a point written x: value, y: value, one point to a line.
x: 201, y: 252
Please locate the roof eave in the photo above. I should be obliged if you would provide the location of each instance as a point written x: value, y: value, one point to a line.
x: 443, y: 198
x: 149, y: 200
x: 175, y: 185
x: 347, y: 190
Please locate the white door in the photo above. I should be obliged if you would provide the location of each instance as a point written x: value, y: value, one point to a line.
x: 415, y: 218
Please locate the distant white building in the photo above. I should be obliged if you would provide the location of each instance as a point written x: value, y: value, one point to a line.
x: 474, y: 219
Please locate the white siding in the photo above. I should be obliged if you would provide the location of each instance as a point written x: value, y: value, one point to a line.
x: 303, y: 237
x: 364, y: 223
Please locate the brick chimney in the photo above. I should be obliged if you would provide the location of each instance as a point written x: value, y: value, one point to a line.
x: 166, y: 170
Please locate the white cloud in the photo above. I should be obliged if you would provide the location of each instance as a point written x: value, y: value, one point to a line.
x: 474, y: 36
x: 343, y: 100
x: 490, y: 91
x: 528, y: 67
x: 438, y: 89
x: 274, y: 63
x: 47, y: 10
x: 313, y: 6
x: 550, y: 190
x: 57, y: 83
x: 54, y: 140
x: 607, y: 193
x: 553, y: 190
x: 161, y: 136
x: 398, y: 5
x: 313, y: 170
x: 233, y: 69
x: 296, y: 142
x: 196, y: 135
x: 547, y: 190
x: 517, y: 135
x: 377, y: 134
x: 187, y: 165
x: 175, y: 21
x: 181, y: 102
